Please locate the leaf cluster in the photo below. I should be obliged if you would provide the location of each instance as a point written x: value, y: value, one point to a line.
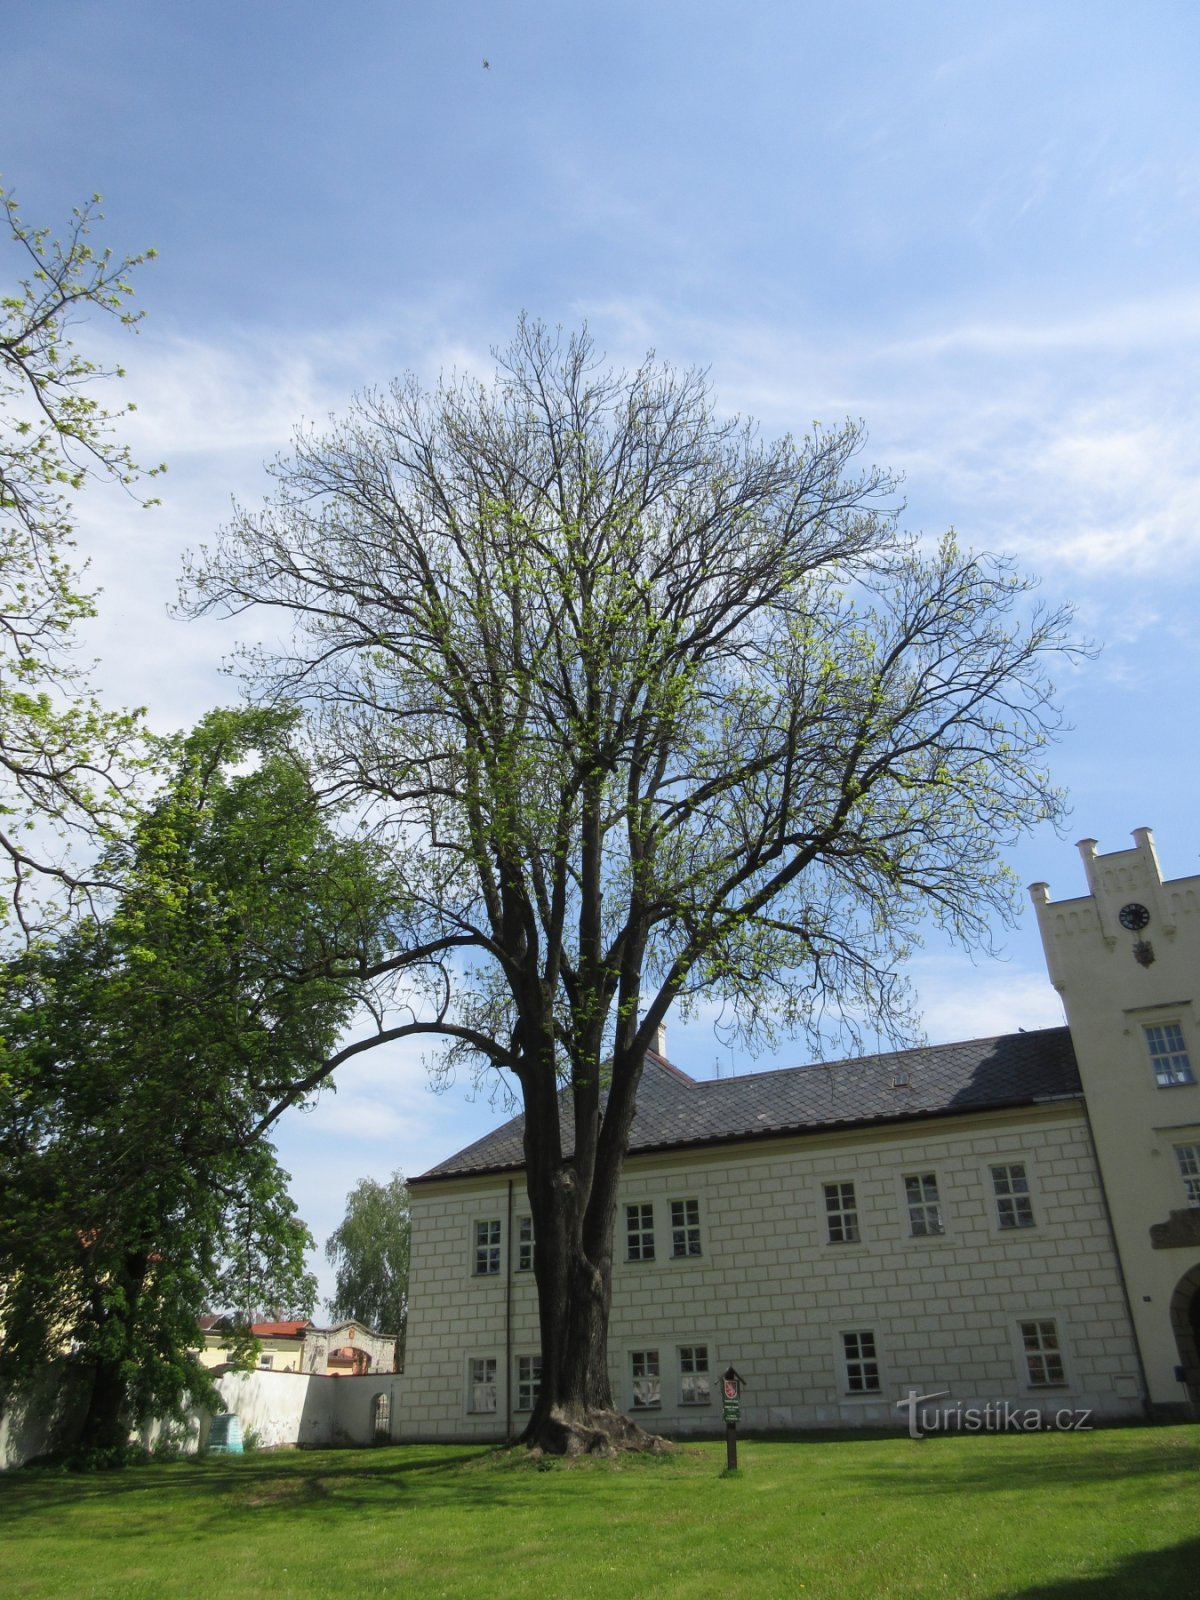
x: 65, y: 762
x: 145, y: 1052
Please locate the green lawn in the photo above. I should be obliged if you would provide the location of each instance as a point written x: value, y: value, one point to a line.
x: 1059, y: 1516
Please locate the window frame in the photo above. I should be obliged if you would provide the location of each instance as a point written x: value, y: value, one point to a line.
x: 1171, y: 1061
x: 861, y: 1364
x: 1053, y: 1354
x: 524, y: 1244
x: 842, y: 1216
x: 1187, y: 1160
x: 478, y: 1380
x: 685, y: 1229
x: 924, y: 1204
x: 527, y: 1386
x: 1012, y: 1202
x: 641, y: 1229
x: 487, y: 1251
x: 688, y: 1357
x: 650, y: 1361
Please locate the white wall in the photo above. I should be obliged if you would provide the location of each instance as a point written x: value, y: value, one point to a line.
x: 280, y: 1408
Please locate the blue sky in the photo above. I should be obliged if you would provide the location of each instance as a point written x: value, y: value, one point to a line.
x: 975, y: 226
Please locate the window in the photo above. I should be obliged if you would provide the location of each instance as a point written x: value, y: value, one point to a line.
x: 381, y: 1418
x: 1043, y: 1355
x: 685, y: 1227
x: 924, y: 1208
x: 482, y: 1394
x: 1188, y: 1157
x: 693, y: 1375
x: 862, y: 1364
x: 529, y: 1381
x: 487, y: 1247
x: 841, y: 1213
x: 266, y: 1361
x: 524, y: 1244
x: 1168, y: 1054
x: 639, y: 1233
x: 647, y: 1388
x: 1014, y: 1208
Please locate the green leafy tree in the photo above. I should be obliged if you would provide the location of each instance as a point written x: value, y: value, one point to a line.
x: 65, y: 762
x: 142, y: 1056
x: 369, y: 1248
x: 652, y: 709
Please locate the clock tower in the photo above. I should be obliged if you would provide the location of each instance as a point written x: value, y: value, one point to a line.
x: 1125, y: 958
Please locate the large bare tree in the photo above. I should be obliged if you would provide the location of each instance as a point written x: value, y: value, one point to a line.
x: 651, y: 708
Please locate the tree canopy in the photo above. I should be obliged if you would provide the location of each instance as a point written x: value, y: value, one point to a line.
x: 647, y: 707
x: 141, y: 1054
x: 369, y: 1248
x: 64, y: 760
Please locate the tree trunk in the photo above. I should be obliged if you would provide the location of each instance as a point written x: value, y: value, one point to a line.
x: 104, y: 1436
x: 575, y: 1412
x: 572, y: 1256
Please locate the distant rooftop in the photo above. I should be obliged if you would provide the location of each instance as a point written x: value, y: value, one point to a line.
x: 675, y: 1111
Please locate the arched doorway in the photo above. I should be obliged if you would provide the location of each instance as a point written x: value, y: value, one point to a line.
x: 1185, y: 1322
x: 351, y: 1360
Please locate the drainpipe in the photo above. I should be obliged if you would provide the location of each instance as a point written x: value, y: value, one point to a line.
x: 508, y: 1294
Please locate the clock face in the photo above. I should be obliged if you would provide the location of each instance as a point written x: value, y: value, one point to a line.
x: 1134, y: 917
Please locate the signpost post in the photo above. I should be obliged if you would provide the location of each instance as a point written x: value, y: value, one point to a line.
x: 731, y: 1401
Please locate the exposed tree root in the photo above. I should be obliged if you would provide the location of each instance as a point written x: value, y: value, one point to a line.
x: 583, y: 1431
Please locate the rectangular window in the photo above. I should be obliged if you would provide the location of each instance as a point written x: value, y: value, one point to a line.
x: 487, y: 1248
x: 647, y: 1386
x: 266, y: 1361
x: 482, y: 1395
x: 862, y: 1363
x: 1014, y: 1208
x: 924, y: 1207
x: 841, y: 1213
x: 524, y: 1244
x: 639, y: 1233
x: 1188, y: 1157
x: 1043, y: 1356
x: 685, y: 1227
x: 693, y: 1375
x: 1168, y: 1054
x: 529, y: 1382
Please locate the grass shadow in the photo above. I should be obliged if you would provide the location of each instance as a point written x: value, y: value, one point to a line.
x: 1170, y: 1574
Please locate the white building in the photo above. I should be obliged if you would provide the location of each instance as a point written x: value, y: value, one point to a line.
x: 1008, y: 1220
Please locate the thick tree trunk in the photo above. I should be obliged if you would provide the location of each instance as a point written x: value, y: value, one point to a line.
x: 573, y: 1233
x: 105, y: 1433
x: 104, y: 1436
x: 576, y: 1412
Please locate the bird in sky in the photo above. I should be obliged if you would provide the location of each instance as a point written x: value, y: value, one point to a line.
x: 487, y: 65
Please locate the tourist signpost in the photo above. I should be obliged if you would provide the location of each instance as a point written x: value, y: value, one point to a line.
x: 731, y: 1405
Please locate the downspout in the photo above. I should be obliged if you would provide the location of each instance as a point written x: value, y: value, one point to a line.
x: 508, y: 1294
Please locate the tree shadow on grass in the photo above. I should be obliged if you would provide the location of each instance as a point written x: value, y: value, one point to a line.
x: 224, y: 1486
x: 986, y: 1464
x: 1171, y: 1574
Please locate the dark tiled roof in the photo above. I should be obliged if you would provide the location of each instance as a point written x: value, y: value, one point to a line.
x: 674, y: 1110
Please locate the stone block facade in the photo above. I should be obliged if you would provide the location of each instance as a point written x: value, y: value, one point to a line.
x: 825, y: 1331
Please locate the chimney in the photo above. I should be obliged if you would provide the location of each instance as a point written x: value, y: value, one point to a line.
x: 660, y: 1041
